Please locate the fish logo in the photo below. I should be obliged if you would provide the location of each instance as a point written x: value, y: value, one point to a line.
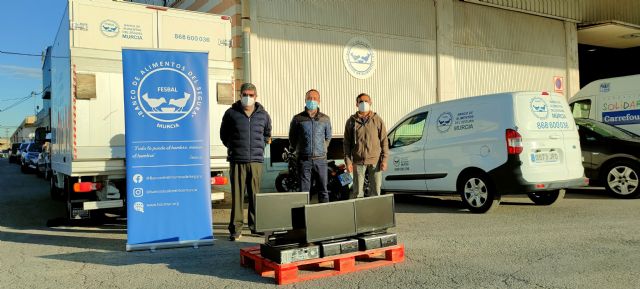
x: 539, y: 107
x: 109, y: 28
x: 444, y: 121
x: 359, y: 58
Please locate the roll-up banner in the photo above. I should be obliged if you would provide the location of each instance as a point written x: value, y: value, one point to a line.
x: 167, y: 145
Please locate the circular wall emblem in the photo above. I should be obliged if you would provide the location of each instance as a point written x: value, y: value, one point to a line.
x: 539, y: 107
x: 109, y: 28
x: 359, y: 58
x: 444, y: 121
x: 166, y: 103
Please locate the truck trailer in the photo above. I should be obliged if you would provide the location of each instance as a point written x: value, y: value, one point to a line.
x: 87, y: 98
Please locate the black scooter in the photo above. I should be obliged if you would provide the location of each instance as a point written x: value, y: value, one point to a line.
x: 338, y: 179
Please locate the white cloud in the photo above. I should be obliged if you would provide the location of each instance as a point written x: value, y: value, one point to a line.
x: 20, y: 71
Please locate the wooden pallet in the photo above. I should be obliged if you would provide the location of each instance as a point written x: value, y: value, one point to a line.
x: 321, y: 267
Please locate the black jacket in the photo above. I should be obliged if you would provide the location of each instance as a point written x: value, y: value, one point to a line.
x: 245, y: 137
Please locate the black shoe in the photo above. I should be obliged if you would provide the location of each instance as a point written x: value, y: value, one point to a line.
x: 235, y: 237
x: 256, y: 234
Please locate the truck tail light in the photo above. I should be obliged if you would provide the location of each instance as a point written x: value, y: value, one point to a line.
x: 85, y: 187
x: 514, y: 142
x: 218, y: 180
x: 225, y: 17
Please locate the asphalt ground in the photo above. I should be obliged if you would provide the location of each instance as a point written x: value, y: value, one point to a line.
x: 587, y: 240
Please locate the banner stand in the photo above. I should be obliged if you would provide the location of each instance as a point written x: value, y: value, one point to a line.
x: 167, y: 127
x: 168, y: 245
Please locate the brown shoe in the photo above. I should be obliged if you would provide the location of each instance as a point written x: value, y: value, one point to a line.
x: 235, y: 237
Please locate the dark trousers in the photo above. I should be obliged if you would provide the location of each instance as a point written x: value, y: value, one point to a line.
x: 244, y: 176
x: 313, y: 178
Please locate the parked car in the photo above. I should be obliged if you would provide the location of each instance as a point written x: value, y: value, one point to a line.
x: 13, y: 153
x: 487, y: 146
x: 21, y: 150
x: 29, y: 161
x: 611, y: 157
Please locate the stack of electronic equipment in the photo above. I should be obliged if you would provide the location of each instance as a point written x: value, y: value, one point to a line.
x: 296, y: 230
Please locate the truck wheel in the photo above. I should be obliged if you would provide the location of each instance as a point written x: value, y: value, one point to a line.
x: 546, y: 198
x: 621, y: 180
x: 477, y: 193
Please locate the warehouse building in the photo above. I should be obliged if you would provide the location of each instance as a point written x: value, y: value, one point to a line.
x: 409, y: 53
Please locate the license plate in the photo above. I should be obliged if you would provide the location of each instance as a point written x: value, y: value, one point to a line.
x: 545, y: 157
x: 345, y: 179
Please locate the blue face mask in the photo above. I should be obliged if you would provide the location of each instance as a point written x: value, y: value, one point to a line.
x: 312, y: 105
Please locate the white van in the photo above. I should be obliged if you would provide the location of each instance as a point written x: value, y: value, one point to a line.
x: 486, y: 146
x: 614, y: 101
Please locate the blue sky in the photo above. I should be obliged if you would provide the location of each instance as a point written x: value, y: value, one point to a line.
x: 28, y: 26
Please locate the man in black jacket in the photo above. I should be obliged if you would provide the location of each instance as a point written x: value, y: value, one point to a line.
x: 245, y: 129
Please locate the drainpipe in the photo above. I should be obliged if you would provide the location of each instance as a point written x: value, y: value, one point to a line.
x: 246, y: 41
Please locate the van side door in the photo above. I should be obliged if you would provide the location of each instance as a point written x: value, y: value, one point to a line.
x: 406, y: 168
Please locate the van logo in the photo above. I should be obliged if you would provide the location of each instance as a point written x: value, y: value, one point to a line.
x: 444, y: 121
x: 539, y: 107
x: 605, y: 87
x: 359, y: 58
x: 109, y: 28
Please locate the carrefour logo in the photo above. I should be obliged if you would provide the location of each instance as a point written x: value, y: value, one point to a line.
x: 166, y: 92
x: 444, y: 121
x: 109, y: 28
x: 359, y: 58
x: 539, y: 107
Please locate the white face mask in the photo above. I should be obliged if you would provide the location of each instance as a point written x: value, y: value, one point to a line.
x: 364, y: 106
x: 248, y: 101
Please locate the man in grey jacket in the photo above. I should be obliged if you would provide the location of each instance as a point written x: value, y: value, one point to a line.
x: 366, y: 148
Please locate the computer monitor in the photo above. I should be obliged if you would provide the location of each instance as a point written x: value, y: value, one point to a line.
x: 273, y: 210
x: 329, y: 221
x: 374, y: 213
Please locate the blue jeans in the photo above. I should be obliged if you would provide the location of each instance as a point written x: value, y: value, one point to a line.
x: 313, y: 178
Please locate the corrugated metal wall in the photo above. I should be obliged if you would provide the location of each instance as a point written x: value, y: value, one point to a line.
x: 299, y: 47
x: 578, y: 10
x: 566, y: 9
x: 496, y: 50
x: 620, y: 10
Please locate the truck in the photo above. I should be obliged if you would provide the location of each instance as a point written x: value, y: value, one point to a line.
x: 87, y: 98
x: 614, y: 101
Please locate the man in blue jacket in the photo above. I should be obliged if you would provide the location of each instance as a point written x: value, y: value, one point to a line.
x: 245, y: 130
x: 309, y: 136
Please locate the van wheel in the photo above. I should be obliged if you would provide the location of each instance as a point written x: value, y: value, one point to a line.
x: 477, y: 194
x: 621, y: 180
x: 546, y: 198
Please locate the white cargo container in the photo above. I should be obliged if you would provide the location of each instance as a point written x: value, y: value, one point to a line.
x: 615, y: 101
x: 87, y: 111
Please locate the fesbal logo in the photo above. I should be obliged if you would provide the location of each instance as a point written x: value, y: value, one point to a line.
x: 166, y: 92
x: 359, y: 57
x: 444, y: 121
x: 539, y: 107
x: 109, y: 28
